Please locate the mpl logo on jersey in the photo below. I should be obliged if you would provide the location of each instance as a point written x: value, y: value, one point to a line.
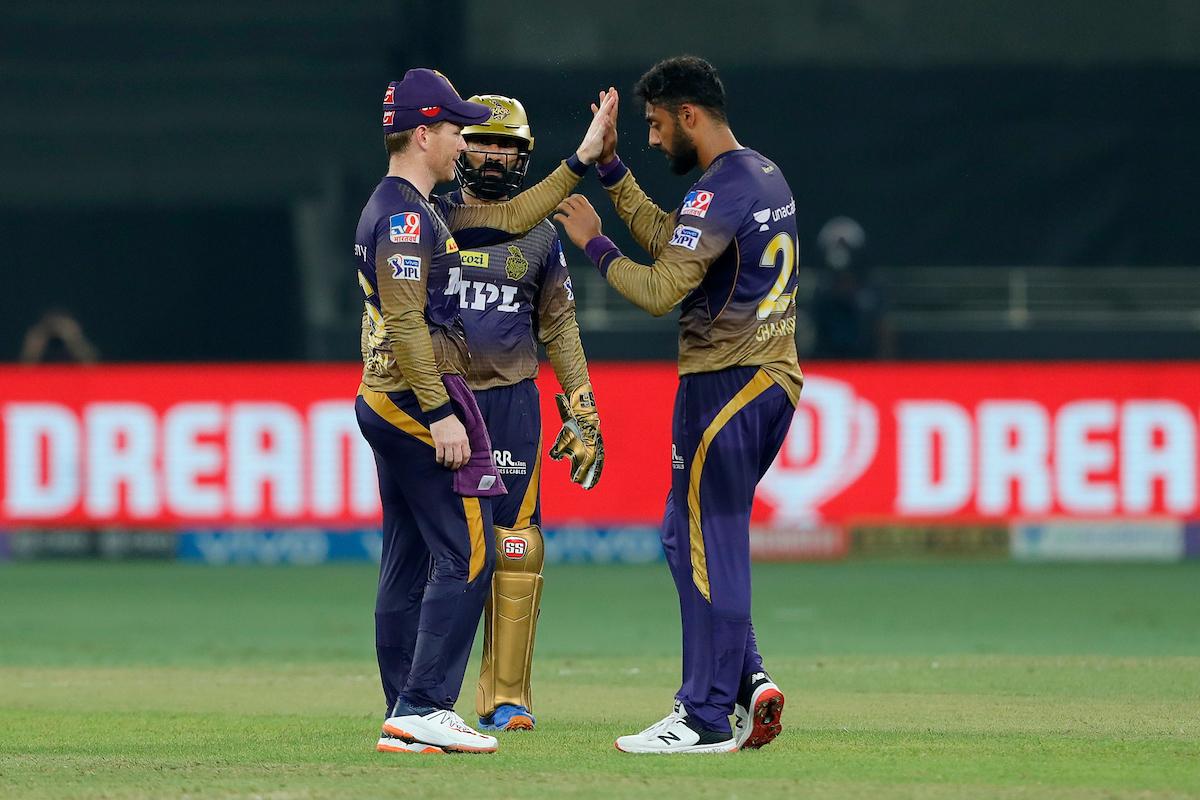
x: 514, y: 547
x: 696, y: 203
x: 405, y: 228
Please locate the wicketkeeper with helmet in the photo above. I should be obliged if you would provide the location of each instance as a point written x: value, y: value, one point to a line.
x: 513, y: 295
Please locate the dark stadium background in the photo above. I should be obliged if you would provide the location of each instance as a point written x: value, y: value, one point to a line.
x: 184, y: 177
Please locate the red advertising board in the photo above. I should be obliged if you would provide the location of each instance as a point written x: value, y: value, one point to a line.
x: 278, y: 444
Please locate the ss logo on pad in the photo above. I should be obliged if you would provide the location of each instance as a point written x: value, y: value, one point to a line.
x: 513, y: 547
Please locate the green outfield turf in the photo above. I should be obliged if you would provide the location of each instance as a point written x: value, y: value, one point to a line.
x: 920, y: 680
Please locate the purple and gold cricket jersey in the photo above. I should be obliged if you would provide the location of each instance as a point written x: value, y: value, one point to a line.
x: 512, y: 295
x: 727, y: 255
x: 406, y: 255
x: 409, y: 267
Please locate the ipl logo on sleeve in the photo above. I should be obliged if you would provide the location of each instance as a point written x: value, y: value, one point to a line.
x: 697, y: 202
x: 686, y: 237
x: 405, y: 268
x: 405, y: 227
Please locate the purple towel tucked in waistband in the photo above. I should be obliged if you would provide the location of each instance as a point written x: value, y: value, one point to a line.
x: 479, y: 476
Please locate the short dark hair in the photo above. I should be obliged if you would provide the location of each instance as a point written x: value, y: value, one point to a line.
x: 683, y: 79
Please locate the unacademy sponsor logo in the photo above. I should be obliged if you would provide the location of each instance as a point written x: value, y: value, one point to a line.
x: 784, y: 211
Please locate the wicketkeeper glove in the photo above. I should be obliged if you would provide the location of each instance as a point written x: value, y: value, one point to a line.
x: 580, y: 438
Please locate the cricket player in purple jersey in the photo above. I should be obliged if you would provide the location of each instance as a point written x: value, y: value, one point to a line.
x: 432, y: 451
x: 728, y: 255
x: 513, y: 295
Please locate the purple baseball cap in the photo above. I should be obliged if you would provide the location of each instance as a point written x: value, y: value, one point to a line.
x: 424, y: 97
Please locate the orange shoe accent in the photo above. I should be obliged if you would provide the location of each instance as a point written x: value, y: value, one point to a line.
x: 426, y: 750
x: 450, y: 748
x: 398, y: 733
x: 765, y: 719
x: 519, y: 722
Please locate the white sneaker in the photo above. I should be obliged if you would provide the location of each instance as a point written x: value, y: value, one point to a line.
x: 677, y: 712
x: 443, y: 729
x: 391, y: 744
x: 758, y: 711
x: 674, y: 734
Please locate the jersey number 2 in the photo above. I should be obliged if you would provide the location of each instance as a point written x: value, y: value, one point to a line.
x: 776, y: 301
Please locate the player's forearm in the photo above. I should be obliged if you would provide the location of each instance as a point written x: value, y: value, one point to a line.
x: 528, y: 208
x: 656, y: 288
x: 412, y: 347
x: 565, y: 351
x: 649, y: 224
x: 639, y: 284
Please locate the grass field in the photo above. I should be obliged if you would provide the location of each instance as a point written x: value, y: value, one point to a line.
x: 918, y: 680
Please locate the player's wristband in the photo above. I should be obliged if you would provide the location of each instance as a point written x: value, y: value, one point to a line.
x: 439, y: 413
x: 577, y: 166
x: 602, y: 252
x: 612, y: 172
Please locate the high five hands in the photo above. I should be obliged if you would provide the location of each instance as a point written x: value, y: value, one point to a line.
x: 609, y: 148
x: 603, y: 128
x: 577, y: 216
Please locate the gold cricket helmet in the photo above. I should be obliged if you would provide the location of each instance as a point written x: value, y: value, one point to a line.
x: 498, y: 175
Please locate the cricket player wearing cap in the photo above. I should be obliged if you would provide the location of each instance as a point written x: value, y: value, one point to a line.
x: 512, y: 295
x: 431, y: 447
x: 728, y: 254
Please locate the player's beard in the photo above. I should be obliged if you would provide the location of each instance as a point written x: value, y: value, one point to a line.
x: 682, y: 156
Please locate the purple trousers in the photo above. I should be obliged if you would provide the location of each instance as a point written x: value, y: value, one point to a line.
x: 727, y: 429
x: 514, y: 422
x: 438, y: 557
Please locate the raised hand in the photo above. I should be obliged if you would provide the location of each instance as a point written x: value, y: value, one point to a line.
x: 602, y: 120
x: 608, y: 150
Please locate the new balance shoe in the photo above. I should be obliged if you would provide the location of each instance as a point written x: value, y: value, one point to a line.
x: 438, y: 727
x: 391, y: 744
x: 677, y: 712
x: 508, y: 718
x: 758, y: 712
x: 677, y: 733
